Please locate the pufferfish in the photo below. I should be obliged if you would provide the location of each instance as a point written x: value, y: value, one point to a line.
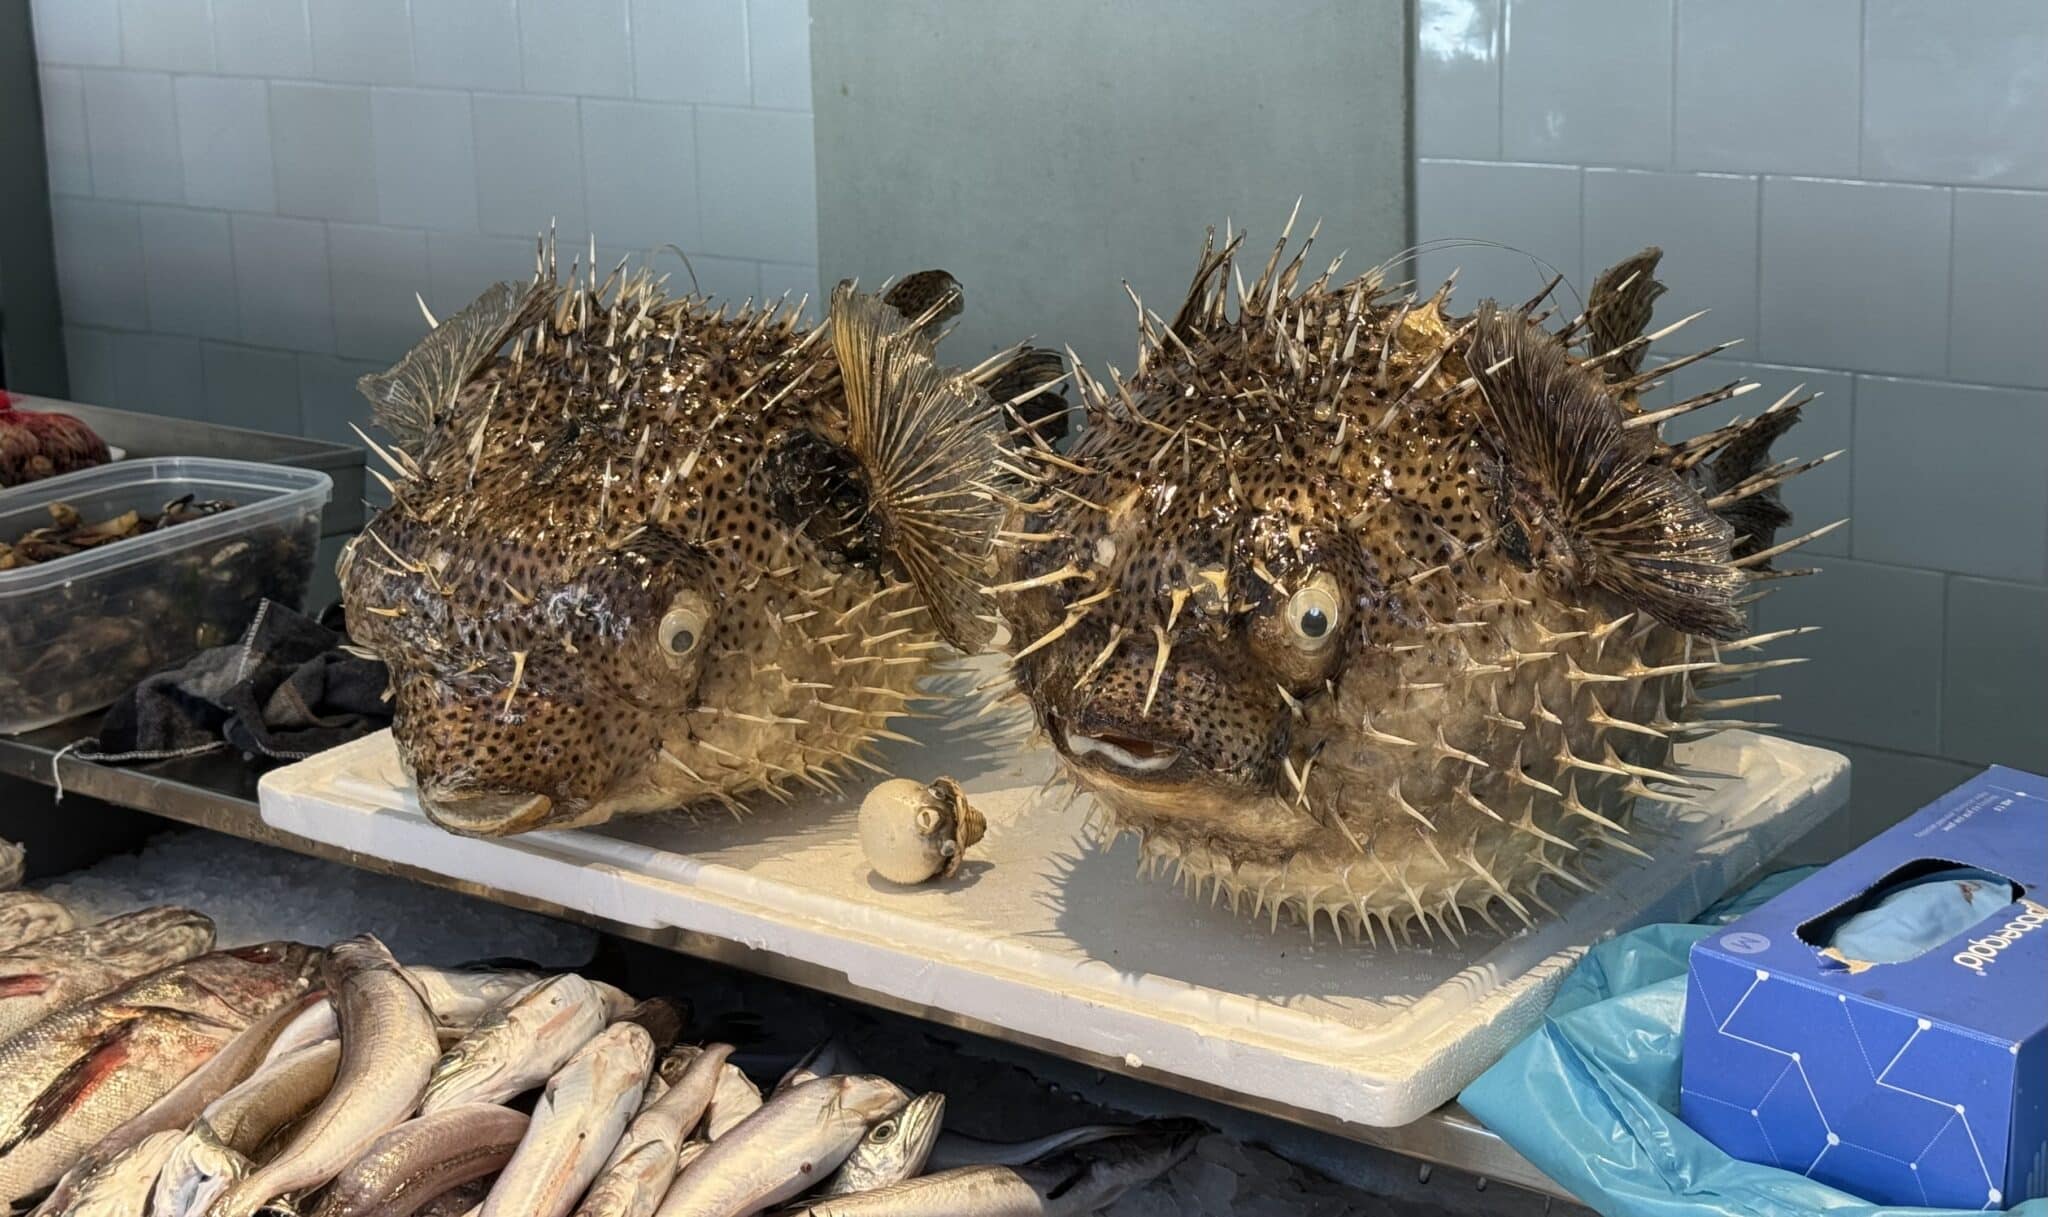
x: 646, y: 552
x: 1351, y: 607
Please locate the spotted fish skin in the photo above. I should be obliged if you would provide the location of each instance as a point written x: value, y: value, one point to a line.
x: 1352, y: 607
x: 647, y: 552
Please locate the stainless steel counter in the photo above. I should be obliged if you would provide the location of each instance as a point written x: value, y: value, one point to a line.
x: 219, y: 793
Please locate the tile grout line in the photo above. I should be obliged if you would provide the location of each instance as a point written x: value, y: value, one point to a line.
x: 1862, y: 82
x: 1948, y: 318
x: 1500, y: 109
x: 1762, y: 187
x: 1630, y: 167
x: 1671, y: 154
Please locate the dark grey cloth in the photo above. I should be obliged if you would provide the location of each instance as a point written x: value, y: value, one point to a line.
x: 285, y: 691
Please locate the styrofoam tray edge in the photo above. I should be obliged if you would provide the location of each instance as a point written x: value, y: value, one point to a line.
x: 1335, y: 1077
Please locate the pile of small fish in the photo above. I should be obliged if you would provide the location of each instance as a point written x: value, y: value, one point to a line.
x: 145, y: 1074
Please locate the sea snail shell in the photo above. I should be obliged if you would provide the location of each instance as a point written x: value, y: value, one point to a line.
x: 911, y: 832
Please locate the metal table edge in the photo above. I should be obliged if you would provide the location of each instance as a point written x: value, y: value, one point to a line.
x: 1447, y: 1136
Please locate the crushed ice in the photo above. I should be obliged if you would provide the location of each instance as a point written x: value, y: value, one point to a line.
x: 255, y: 893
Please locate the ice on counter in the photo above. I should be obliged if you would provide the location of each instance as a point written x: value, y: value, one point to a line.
x: 255, y: 893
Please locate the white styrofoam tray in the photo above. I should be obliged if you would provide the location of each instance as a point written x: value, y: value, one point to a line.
x: 1045, y: 935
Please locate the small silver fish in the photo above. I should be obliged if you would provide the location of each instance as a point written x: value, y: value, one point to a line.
x: 1069, y: 1185
x: 958, y: 1149
x: 782, y: 1150
x: 643, y: 1166
x: 58, y: 972
x: 26, y: 917
x: 216, y: 1150
x: 313, y: 1023
x: 195, y: 1174
x: 734, y: 1099
x: 421, y: 1159
x: 189, y: 1099
x: 457, y: 1202
x: 120, y: 1186
x: 893, y: 1150
x: 518, y: 1046
x: 13, y: 865
x: 78, y: 1075
x: 826, y: 1060
x: 388, y: 1049
x: 461, y: 997
x: 971, y: 1191
x: 581, y: 1115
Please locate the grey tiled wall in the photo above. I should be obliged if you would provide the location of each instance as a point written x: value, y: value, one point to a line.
x: 1859, y: 191
x: 247, y: 193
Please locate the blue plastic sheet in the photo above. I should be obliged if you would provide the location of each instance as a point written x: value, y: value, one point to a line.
x: 1591, y: 1097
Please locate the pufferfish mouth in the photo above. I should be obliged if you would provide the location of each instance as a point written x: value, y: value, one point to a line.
x: 481, y: 813
x: 1119, y: 752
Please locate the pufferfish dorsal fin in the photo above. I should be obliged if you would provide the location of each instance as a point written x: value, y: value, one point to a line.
x: 928, y: 440
x: 930, y: 297
x: 1581, y: 495
x: 1618, y: 310
x: 413, y: 399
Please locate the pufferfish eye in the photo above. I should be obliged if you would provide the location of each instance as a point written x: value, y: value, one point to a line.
x: 1313, y: 613
x: 682, y: 629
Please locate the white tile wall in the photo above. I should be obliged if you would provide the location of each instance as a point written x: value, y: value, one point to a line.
x: 255, y: 38
x: 224, y: 138
x: 131, y: 131
x: 247, y: 194
x: 64, y: 140
x: 1859, y: 190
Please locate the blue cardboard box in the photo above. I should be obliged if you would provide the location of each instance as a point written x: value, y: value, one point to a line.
x: 1923, y: 1082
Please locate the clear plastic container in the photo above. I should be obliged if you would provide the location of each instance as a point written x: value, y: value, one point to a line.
x: 79, y: 631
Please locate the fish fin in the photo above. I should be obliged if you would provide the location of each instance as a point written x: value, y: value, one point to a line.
x: 73, y: 1086
x: 1019, y: 387
x: 928, y: 441
x: 663, y: 1019
x: 1581, y: 497
x: 820, y: 487
x: 1618, y: 310
x: 25, y: 984
x: 929, y: 297
x: 1745, y: 453
x: 413, y: 399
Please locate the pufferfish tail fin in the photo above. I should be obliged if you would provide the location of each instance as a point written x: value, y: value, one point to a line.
x: 929, y: 441
x: 1582, y: 498
x: 418, y: 394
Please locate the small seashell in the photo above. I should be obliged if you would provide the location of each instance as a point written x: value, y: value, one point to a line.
x: 911, y: 832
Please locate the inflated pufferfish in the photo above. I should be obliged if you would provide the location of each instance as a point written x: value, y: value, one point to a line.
x: 659, y: 553
x: 1354, y: 608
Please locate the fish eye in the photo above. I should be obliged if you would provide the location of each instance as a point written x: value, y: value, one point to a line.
x: 884, y: 1131
x: 681, y: 630
x: 1312, y: 613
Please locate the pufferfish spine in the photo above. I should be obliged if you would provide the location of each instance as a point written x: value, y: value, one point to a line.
x: 1351, y: 608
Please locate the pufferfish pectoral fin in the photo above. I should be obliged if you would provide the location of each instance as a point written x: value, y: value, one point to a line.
x: 1583, y: 496
x: 929, y: 441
